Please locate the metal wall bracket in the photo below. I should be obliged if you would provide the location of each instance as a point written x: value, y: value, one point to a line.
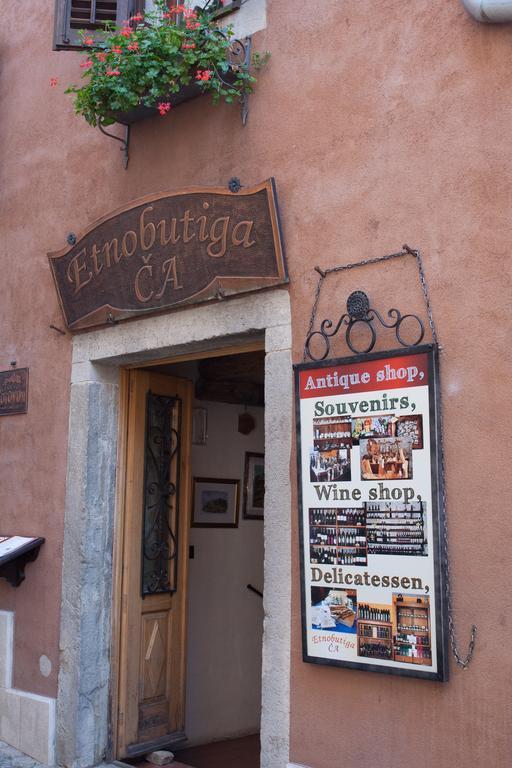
x: 359, y: 313
x: 125, y: 142
x: 12, y: 564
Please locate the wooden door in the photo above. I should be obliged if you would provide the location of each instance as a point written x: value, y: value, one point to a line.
x: 151, y: 695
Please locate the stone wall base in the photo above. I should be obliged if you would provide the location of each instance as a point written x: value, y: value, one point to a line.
x: 27, y: 721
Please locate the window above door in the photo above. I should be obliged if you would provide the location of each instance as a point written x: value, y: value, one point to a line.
x: 72, y: 16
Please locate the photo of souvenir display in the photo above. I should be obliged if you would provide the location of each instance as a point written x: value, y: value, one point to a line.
x: 334, y: 609
x: 372, y: 426
x: 410, y: 427
x: 386, y: 458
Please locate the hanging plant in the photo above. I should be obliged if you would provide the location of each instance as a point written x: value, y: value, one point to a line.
x: 150, y: 60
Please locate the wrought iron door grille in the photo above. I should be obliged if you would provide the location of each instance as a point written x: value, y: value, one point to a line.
x: 160, y: 511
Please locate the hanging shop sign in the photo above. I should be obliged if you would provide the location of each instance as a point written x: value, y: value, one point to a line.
x: 372, y: 576
x: 13, y: 391
x: 166, y: 251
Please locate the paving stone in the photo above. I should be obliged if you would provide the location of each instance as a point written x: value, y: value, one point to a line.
x: 11, y: 758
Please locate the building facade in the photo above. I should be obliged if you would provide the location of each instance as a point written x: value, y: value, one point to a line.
x: 380, y: 124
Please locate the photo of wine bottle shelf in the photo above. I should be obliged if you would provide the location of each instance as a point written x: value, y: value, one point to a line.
x: 347, y: 536
x: 397, y: 632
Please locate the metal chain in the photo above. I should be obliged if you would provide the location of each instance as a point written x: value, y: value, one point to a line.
x: 313, y: 311
x: 462, y: 662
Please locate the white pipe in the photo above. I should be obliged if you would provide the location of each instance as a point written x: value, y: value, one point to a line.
x: 489, y: 11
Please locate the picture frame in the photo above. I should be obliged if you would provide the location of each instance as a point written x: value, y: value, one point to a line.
x: 254, y: 486
x: 215, y: 503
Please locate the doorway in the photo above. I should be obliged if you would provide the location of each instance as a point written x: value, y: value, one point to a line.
x: 88, y: 676
x: 191, y: 627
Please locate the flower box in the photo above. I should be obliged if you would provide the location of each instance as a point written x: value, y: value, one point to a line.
x: 186, y: 93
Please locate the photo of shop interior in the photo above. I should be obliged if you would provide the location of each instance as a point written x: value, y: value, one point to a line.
x: 334, y: 609
x: 374, y: 631
x: 397, y: 632
x: 394, y: 528
x: 386, y: 458
x: 330, y: 455
x: 337, y: 536
x: 411, y: 629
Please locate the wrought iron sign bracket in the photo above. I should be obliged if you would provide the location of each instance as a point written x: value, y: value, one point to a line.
x: 12, y: 565
x: 360, y: 313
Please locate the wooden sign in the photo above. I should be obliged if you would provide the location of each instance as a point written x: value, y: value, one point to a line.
x: 165, y: 251
x: 13, y: 391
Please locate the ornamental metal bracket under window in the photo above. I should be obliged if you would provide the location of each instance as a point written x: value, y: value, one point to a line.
x: 360, y: 314
x: 160, y: 513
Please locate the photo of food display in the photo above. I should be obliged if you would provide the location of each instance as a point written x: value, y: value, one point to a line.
x: 334, y: 609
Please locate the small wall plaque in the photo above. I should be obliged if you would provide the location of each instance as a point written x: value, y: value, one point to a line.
x: 13, y: 391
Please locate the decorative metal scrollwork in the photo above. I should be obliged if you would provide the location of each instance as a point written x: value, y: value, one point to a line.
x: 238, y: 57
x: 161, y: 494
x: 360, y: 314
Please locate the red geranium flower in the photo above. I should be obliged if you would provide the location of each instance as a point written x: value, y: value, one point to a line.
x: 126, y: 32
x: 113, y: 72
x: 137, y: 17
x: 102, y: 57
x: 133, y: 46
x: 88, y: 40
x: 204, y: 74
x: 164, y: 107
x: 87, y: 64
x: 116, y: 49
x: 187, y: 46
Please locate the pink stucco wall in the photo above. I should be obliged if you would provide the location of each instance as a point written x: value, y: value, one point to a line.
x: 382, y: 123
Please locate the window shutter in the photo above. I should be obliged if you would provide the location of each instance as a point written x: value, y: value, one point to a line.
x: 92, y: 15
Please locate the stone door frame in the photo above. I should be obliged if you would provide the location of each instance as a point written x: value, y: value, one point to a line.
x: 85, y: 674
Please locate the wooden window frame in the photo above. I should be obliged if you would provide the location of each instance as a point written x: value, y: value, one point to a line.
x: 67, y: 39
x: 229, y: 8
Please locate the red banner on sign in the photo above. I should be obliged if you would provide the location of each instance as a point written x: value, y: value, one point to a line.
x: 365, y: 376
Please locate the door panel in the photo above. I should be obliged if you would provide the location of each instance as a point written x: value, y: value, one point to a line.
x: 154, y: 575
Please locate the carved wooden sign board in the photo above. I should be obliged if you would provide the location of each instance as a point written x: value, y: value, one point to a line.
x: 13, y: 391
x: 165, y: 251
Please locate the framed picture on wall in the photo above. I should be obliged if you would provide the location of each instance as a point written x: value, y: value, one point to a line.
x: 254, y: 486
x: 215, y: 503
